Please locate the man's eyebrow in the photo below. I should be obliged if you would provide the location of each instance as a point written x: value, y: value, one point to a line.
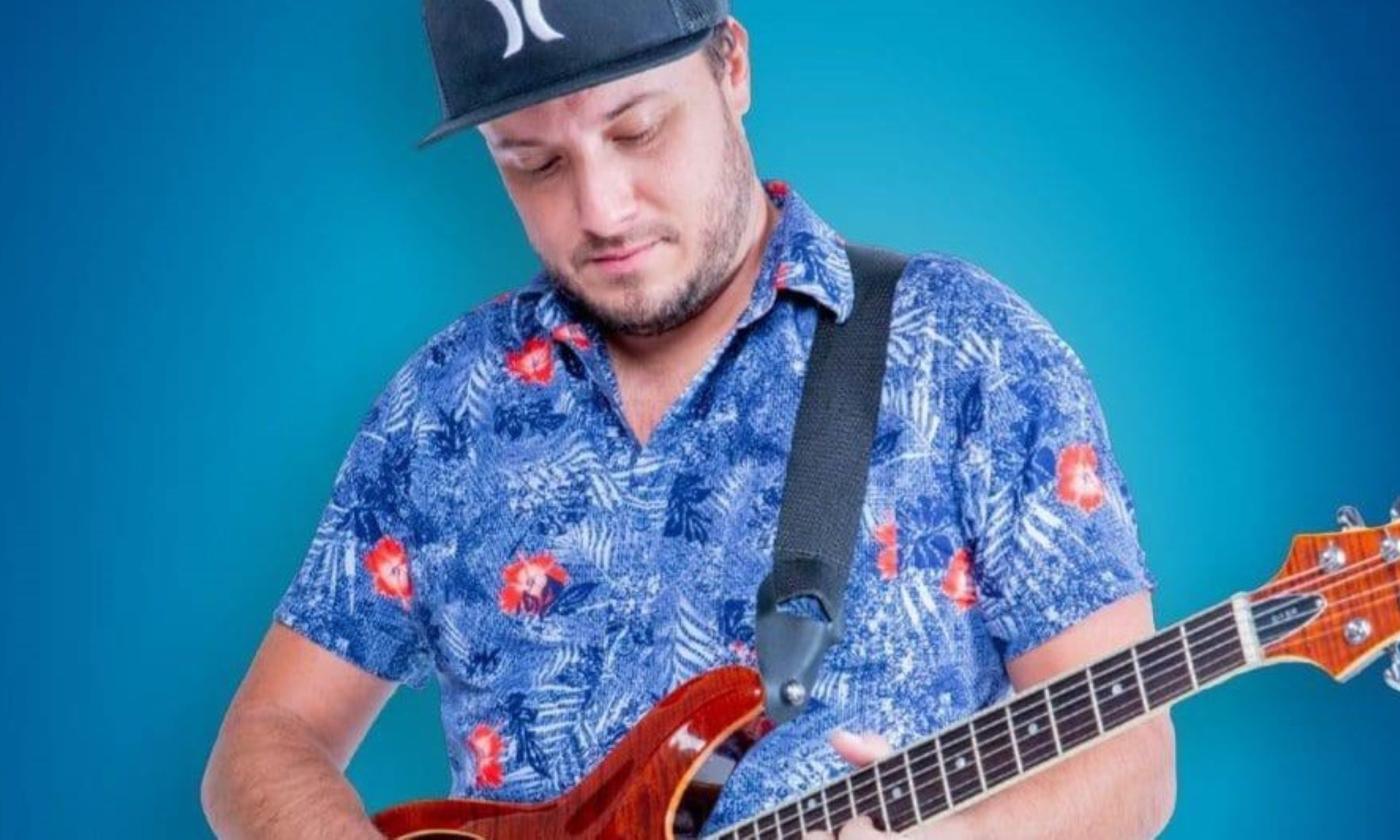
x: 508, y: 143
x: 618, y: 111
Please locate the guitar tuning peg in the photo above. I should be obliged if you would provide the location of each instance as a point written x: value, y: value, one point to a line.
x: 1392, y: 674
x: 1349, y: 518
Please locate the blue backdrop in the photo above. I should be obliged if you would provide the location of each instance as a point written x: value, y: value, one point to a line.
x: 219, y: 242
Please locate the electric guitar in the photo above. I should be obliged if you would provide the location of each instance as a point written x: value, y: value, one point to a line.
x: 1334, y: 604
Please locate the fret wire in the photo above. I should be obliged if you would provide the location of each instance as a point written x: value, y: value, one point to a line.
x: 863, y: 785
x: 851, y: 794
x: 1093, y: 701
x: 880, y: 796
x: 1054, y: 727
x: 976, y: 756
x: 913, y: 790
x: 1137, y: 670
x: 942, y: 772
x: 1015, y: 747
x: 1186, y: 653
x: 927, y: 778
x: 826, y: 810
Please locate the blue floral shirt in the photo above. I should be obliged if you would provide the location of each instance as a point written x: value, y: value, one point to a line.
x: 495, y: 522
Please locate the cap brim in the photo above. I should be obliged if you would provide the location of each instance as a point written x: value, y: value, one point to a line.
x: 625, y: 66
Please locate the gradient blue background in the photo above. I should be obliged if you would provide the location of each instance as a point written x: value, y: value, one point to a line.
x: 219, y: 242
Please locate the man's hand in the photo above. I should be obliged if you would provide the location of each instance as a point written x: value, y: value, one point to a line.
x: 860, y: 750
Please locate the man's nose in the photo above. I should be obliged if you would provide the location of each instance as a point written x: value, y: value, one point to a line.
x: 607, y: 206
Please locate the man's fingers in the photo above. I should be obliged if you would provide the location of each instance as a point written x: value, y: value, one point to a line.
x: 860, y: 749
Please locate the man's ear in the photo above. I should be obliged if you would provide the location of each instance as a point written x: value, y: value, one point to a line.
x: 734, y: 81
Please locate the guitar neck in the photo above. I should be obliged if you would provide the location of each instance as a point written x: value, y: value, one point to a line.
x: 1029, y: 732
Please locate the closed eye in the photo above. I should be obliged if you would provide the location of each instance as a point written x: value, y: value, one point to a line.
x: 638, y: 139
x: 545, y: 169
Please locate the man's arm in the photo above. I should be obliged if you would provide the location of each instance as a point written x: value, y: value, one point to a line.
x: 1124, y: 787
x: 277, y: 768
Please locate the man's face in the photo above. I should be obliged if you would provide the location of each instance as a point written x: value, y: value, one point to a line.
x: 634, y: 193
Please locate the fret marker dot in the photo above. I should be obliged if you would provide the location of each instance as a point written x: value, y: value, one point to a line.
x: 960, y: 763
x: 1033, y: 728
x: 896, y: 792
x: 812, y: 804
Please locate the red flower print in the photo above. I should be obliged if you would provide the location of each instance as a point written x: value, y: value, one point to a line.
x: 485, y: 744
x: 1078, y: 479
x: 531, y: 584
x: 778, y: 189
x: 533, y: 363
x: 887, y: 536
x: 958, y: 583
x: 388, y: 564
x: 780, y: 280
x: 571, y: 334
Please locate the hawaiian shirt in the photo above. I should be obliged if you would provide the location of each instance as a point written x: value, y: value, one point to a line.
x: 497, y: 523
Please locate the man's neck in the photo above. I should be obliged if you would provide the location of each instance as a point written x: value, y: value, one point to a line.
x: 658, y: 355
x: 653, y: 371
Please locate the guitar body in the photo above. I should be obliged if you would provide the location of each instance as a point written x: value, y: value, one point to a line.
x: 643, y: 788
x: 1335, y: 604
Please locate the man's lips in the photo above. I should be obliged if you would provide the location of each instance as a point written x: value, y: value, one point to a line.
x: 610, y: 256
x: 620, y: 261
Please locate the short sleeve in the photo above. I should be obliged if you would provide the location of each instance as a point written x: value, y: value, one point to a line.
x: 354, y: 593
x: 1055, y: 533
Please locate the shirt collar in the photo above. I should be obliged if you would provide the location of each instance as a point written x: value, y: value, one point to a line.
x: 804, y: 256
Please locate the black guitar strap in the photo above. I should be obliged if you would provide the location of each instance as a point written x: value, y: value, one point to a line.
x: 824, y: 488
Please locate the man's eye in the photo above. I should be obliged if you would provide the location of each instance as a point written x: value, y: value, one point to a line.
x: 543, y: 170
x: 638, y: 139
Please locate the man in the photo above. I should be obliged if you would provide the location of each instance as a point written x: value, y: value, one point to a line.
x: 563, y: 503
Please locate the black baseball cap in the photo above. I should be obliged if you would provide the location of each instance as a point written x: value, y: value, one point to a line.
x: 496, y: 56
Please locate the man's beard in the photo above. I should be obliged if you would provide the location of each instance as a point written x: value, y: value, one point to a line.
x: 726, y: 216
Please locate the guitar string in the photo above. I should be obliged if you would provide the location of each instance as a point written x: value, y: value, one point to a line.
x: 1002, y: 743
x: 904, y: 805
x: 1210, y: 644
x: 1315, y: 571
x: 1004, y: 746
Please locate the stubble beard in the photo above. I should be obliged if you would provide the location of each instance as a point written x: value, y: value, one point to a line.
x: 726, y: 216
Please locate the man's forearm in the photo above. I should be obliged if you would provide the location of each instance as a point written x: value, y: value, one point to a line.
x: 269, y: 778
x: 1122, y: 788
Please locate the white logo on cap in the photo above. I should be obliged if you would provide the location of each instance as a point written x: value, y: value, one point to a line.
x: 534, y: 18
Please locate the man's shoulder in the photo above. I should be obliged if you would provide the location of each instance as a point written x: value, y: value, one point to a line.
x: 957, y: 287
x: 974, y: 311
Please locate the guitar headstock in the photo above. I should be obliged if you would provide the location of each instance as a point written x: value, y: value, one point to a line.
x: 1336, y: 601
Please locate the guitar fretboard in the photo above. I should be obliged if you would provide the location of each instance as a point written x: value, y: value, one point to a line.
x: 948, y: 770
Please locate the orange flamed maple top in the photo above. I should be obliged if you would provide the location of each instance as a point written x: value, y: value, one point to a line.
x: 1336, y: 601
